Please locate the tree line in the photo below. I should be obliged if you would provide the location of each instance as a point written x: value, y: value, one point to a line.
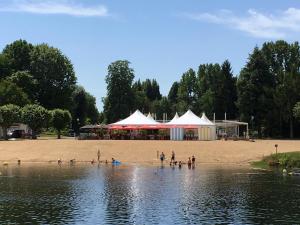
x: 264, y: 94
x: 41, y: 75
x: 35, y: 116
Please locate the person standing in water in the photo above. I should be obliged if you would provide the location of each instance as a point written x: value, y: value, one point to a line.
x: 189, y: 163
x: 193, y: 161
x: 173, y: 157
x: 162, y: 157
x: 98, y: 155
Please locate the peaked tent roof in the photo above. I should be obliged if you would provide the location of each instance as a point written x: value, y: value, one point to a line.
x: 137, y: 118
x: 189, y: 118
x: 174, y: 119
x: 204, y: 118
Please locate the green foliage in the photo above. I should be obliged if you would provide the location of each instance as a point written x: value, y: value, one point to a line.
x: 285, y: 160
x: 10, y: 93
x: 296, y: 111
x: 9, y: 114
x: 43, y: 75
x: 255, y: 86
x: 18, y: 54
x: 55, y: 77
x: 268, y: 88
x: 25, y: 80
x: 60, y: 120
x: 5, y: 69
x: 120, y: 97
x: 187, y: 89
x: 36, y: 117
x: 84, y: 109
x: 151, y: 89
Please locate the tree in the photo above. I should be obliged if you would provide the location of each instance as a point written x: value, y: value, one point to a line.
x: 173, y: 93
x: 229, y: 90
x: 255, y: 91
x: 162, y: 106
x: 120, y: 97
x: 92, y: 111
x: 5, y: 69
x: 25, y: 81
x: 18, y: 54
x: 10, y: 93
x: 36, y: 117
x: 60, y: 120
x: 296, y: 111
x: 151, y: 89
x: 55, y: 77
x: 284, y: 64
x: 187, y: 89
x: 173, y: 97
x: 9, y: 114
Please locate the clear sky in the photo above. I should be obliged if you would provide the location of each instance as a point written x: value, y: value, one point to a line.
x: 161, y: 38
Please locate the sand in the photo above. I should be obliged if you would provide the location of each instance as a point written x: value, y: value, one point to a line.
x: 238, y: 152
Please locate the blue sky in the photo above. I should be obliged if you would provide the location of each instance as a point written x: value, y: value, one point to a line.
x: 161, y: 38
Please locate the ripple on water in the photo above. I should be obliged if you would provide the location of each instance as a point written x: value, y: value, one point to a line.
x: 146, y: 195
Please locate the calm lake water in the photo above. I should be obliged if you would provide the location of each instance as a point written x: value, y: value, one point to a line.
x: 146, y: 195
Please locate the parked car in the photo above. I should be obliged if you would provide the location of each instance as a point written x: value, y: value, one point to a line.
x: 18, y: 133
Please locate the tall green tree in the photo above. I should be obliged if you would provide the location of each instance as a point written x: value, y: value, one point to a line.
x: 151, y: 89
x: 36, y: 117
x: 187, y: 90
x: 9, y: 114
x: 61, y: 119
x: 92, y: 110
x: 10, y: 93
x: 173, y: 97
x: 55, y: 77
x: 120, y: 97
x: 255, y: 91
x: 284, y: 64
x: 229, y: 90
x: 19, y: 55
x: 80, y: 106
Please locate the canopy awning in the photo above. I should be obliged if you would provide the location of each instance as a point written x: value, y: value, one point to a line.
x: 136, y: 121
x: 189, y: 119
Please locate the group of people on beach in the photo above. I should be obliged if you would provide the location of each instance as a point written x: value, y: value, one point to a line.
x: 191, y: 161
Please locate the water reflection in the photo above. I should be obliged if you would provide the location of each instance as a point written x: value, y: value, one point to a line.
x: 146, y: 195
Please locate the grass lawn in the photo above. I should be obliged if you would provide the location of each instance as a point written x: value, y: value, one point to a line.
x: 285, y: 160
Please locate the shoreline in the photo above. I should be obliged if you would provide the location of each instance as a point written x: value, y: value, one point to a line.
x: 141, y: 152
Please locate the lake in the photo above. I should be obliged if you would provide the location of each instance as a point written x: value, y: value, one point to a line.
x: 86, y: 194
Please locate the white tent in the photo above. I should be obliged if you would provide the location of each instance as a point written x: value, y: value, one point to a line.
x: 206, y: 128
x: 176, y: 133
x: 151, y: 118
x: 136, y: 119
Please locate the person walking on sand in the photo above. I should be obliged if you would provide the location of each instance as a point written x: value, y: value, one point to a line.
x: 173, y: 157
x: 162, y: 157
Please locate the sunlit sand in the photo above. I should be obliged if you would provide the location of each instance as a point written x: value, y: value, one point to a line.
x: 141, y: 152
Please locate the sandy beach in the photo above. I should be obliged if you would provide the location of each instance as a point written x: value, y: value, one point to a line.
x: 141, y: 152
